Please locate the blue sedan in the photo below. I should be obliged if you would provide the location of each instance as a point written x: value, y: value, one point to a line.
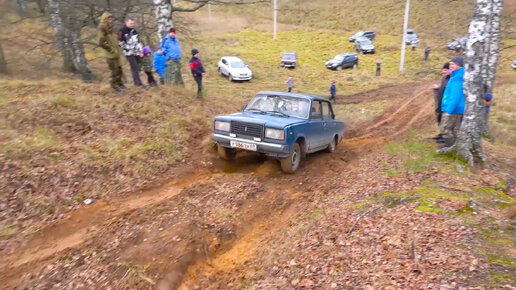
x: 283, y: 125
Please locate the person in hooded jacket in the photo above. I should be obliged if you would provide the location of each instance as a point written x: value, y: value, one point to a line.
x: 132, y: 48
x: 146, y: 64
x: 197, y: 71
x: 110, y: 50
x: 438, y: 96
x: 160, y: 64
x: 453, y: 102
x: 172, y: 52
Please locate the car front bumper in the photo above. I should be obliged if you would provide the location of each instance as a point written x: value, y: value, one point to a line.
x: 288, y: 64
x: 241, y: 78
x: 270, y: 149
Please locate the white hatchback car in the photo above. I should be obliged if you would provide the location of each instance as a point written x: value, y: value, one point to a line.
x: 234, y: 68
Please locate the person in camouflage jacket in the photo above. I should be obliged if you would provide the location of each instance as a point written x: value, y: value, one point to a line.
x: 110, y: 50
x: 133, y: 49
x: 146, y: 66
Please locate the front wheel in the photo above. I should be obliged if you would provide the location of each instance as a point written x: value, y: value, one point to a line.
x: 220, y: 72
x: 339, y: 67
x: 226, y: 153
x: 230, y: 77
x: 291, y: 163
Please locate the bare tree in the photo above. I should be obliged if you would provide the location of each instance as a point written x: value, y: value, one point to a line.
x: 482, y: 54
x: 3, y: 63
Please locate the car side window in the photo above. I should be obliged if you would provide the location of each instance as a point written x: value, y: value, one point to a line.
x: 326, y: 110
x: 224, y: 61
x: 316, y: 111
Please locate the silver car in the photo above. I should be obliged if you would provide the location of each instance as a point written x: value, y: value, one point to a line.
x: 411, y: 37
x: 364, y: 45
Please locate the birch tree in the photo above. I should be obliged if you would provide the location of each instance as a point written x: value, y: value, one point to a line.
x: 482, y: 53
x: 164, y: 10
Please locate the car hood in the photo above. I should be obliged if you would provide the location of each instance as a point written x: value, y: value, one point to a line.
x: 243, y: 70
x: 369, y: 46
x: 268, y: 120
x: 288, y: 60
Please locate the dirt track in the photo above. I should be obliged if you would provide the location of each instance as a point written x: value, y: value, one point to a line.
x: 156, y: 236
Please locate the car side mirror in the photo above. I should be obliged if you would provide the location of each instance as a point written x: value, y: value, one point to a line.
x: 244, y: 107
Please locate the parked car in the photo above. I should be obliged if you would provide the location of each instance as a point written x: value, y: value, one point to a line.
x: 514, y: 64
x: 289, y: 59
x: 364, y: 45
x: 283, y: 125
x: 411, y: 37
x: 234, y: 68
x: 365, y: 33
x: 343, y: 60
x: 458, y: 44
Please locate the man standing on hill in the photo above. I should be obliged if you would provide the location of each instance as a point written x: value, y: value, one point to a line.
x: 197, y: 71
x: 172, y: 52
x: 333, y: 91
x: 290, y: 84
x: 453, y: 102
x: 110, y: 50
x: 438, y: 95
x: 427, y: 52
x: 133, y: 49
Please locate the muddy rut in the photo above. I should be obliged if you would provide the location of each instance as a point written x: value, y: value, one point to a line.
x: 199, y: 221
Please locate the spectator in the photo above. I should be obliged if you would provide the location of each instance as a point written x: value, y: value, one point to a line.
x: 290, y: 84
x: 378, y: 67
x: 487, y: 101
x: 146, y: 64
x: 438, y: 95
x: 453, y: 102
x: 197, y: 71
x: 111, y: 50
x: 160, y: 64
x: 427, y: 52
x: 172, y: 52
x: 132, y: 48
x: 333, y: 91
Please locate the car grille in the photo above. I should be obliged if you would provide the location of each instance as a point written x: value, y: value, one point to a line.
x: 247, y: 129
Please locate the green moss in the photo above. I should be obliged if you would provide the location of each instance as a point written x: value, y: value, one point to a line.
x: 428, y: 206
x: 502, y: 278
x: 500, y: 260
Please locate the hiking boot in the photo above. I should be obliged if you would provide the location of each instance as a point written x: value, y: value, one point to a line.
x: 118, y: 91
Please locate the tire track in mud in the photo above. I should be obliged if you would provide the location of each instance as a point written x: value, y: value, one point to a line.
x: 89, y: 222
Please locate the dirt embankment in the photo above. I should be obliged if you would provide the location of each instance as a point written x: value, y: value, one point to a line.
x: 152, y: 238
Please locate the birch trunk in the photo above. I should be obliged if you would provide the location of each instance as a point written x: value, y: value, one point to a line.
x: 21, y: 7
x: 3, y: 62
x: 481, y: 60
x: 78, y: 52
x: 58, y: 18
x: 163, y: 11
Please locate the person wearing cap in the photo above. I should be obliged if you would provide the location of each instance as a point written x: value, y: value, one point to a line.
x: 197, y: 71
x: 438, y: 95
x: 110, y: 50
x: 453, y: 102
x: 129, y: 41
x: 160, y: 64
x: 172, y: 52
x: 146, y: 64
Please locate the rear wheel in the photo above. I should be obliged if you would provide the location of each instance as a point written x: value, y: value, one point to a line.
x: 226, y: 153
x: 291, y: 163
x: 220, y: 72
x: 332, y: 145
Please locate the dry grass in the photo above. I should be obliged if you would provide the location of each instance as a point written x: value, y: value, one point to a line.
x: 502, y: 118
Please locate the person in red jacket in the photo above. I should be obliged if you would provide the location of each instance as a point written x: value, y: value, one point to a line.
x: 197, y: 71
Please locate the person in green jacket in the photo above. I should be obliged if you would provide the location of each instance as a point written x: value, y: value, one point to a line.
x: 111, y: 51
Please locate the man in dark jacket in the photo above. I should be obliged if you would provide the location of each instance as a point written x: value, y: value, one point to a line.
x: 438, y: 95
x: 333, y: 91
x: 132, y: 48
x: 110, y: 50
x: 197, y: 71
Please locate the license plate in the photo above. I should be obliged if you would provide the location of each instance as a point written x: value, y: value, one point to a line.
x: 241, y: 145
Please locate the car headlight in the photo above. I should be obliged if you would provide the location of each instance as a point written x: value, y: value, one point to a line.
x: 274, y: 134
x: 222, y: 126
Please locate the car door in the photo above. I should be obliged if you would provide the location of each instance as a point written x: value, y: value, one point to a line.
x: 315, y: 135
x: 328, y: 124
x: 348, y: 61
x: 224, y: 68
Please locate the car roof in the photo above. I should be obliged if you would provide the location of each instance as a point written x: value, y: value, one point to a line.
x: 347, y: 53
x: 295, y: 95
x: 232, y: 58
x: 289, y: 52
x: 362, y: 38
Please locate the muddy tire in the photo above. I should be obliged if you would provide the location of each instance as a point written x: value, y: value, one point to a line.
x: 226, y: 153
x: 230, y: 77
x: 220, y: 72
x: 291, y: 163
x: 339, y: 67
x: 332, y: 145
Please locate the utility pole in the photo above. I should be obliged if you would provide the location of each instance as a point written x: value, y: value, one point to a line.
x: 275, y: 16
x: 209, y: 11
x: 405, y: 26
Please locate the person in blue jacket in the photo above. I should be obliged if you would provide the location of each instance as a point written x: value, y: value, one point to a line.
x: 453, y: 102
x: 172, y: 52
x: 159, y: 64
x: 333, y: 91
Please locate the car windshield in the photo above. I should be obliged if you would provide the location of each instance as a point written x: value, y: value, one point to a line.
x: 338, y: 58
x: 360, y: 33
x: 237, y: 64
x: 365, y: 41
x: 289, y: 56
x: 284, y: 105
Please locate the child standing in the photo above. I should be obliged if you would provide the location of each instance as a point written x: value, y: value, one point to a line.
x: 160, y: 64
x: 333, y: 91
x: 290, y: 84
x: 147, y: 66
